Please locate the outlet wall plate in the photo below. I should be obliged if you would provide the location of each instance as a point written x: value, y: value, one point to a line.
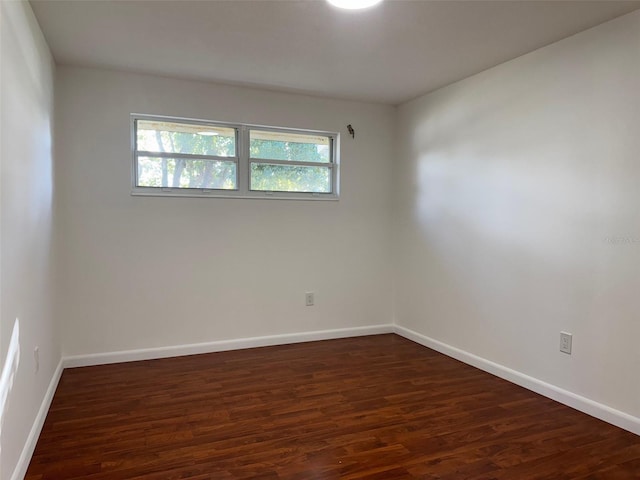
x: 565, y: 342
x: 309, y: 299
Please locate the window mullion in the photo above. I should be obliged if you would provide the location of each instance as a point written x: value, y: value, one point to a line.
x: 243, y: 155
x: 184, y: 156
x: 292, y: 163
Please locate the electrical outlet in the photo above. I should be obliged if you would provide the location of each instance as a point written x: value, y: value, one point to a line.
x: 36, y: 356
x: 309, y: 299
x: 565, y: 342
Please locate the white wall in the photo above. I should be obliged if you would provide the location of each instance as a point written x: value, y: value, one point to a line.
x: 143, y: 272
x: 26, y: 286
x: 509, y: 185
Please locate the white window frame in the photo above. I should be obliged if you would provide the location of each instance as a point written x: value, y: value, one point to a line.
x: 242, y: 160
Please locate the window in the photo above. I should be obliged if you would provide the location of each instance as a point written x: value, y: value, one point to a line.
x: 199, y: 158
x: 182, y: 155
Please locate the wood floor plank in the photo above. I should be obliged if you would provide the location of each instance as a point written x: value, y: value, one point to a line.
x: 378, y: 407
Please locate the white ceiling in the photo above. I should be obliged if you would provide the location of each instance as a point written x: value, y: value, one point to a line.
x: 390, y: 53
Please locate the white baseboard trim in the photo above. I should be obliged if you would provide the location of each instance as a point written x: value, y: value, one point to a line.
x: 220, y: 346
x: 30, y: 445
x: 583, y: 404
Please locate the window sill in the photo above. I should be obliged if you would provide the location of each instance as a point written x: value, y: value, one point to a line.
x: 323, y: 197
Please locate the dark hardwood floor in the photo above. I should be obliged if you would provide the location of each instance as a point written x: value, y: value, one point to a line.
x: 377, y: 407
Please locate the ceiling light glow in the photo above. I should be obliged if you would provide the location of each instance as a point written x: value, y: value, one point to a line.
x: 354, y: 4
x: 208, y: 133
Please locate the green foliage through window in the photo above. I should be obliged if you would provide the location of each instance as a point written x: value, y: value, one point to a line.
x: 182, y: 173
x: 290, y: 178
x: 292, y: 147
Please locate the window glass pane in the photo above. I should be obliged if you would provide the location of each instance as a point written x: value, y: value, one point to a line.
x: 182, y: 173
x: 289, y: 146
x: 156, y: 136
x: 290, y: 178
